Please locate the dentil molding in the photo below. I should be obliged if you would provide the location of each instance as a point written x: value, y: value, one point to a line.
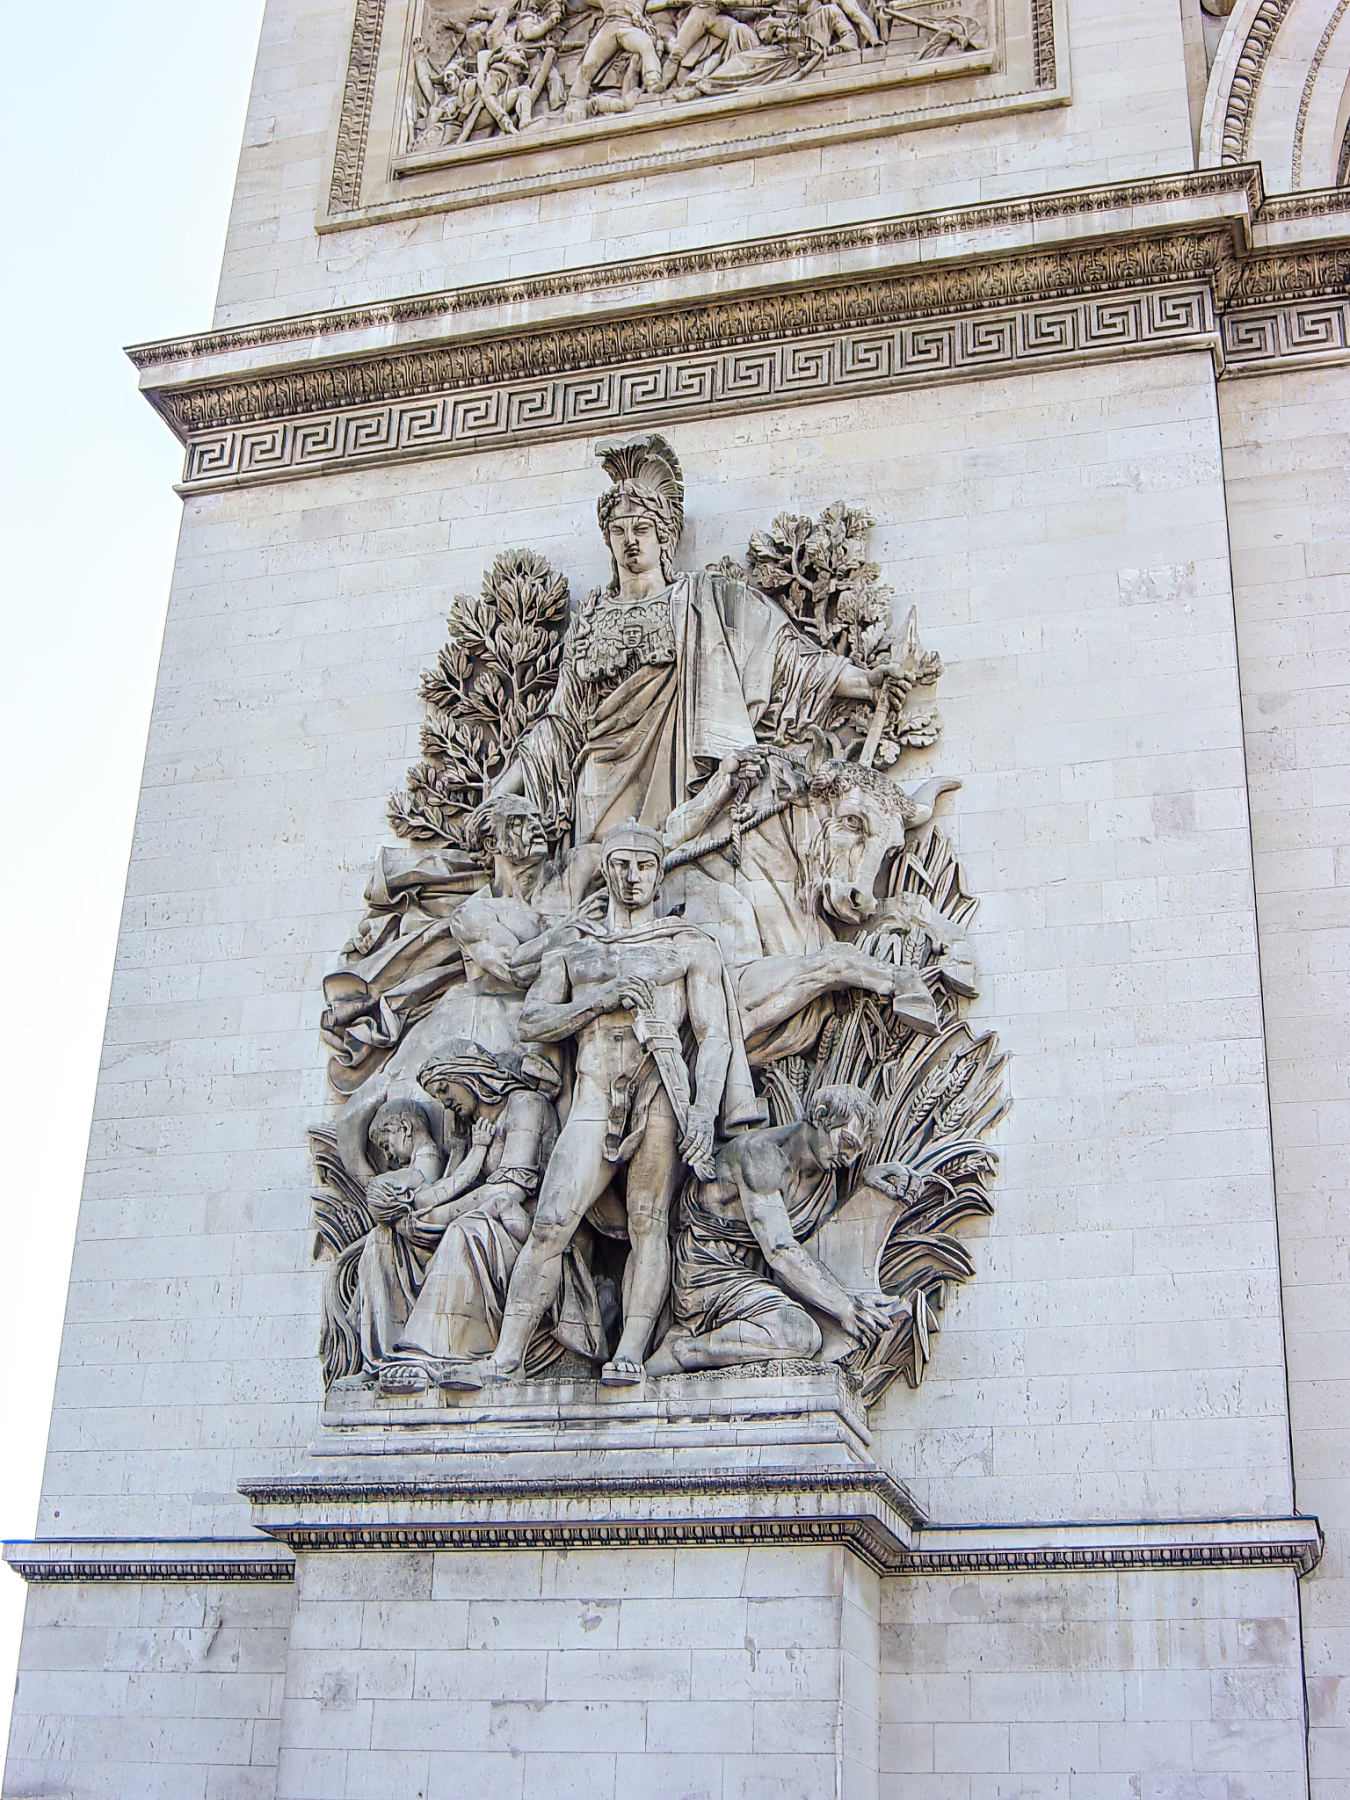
x: 864, y: 1511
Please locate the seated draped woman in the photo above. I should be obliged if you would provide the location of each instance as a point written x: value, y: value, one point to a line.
x: 452, y: 1329
x: 744, y: 1288
x: 390, y: 1149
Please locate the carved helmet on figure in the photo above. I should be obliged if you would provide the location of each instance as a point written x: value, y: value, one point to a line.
x: 632, y: 836
x: 648, y: 480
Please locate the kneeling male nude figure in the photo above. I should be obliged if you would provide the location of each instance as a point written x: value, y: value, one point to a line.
x: 742, y: 1280
x: 624, y: 995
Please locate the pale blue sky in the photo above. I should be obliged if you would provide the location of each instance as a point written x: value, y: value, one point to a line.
x: 120, y: 128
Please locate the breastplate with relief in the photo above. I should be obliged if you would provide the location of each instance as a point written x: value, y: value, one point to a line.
x: 621, y: 636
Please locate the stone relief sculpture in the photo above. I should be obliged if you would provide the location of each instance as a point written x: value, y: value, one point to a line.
x: 479, y: 72
x: 626, y: 997
x: 650, y: 1039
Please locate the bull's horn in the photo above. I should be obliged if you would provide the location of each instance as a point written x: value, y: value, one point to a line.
x: 925, y: 798
x: 927, y: 792
x: 824, y: 747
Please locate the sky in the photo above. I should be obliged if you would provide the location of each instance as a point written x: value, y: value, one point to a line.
x: 115, y: 233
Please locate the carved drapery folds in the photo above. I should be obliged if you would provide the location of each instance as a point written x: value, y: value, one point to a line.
x: 651, y: 1039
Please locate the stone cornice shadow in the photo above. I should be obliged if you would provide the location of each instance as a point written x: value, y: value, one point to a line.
x: 1197, y: 261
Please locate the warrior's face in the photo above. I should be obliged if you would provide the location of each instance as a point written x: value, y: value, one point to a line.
x: 845, y: 1140
x: 634, y: 543
x: 633, y: 878
x: 519, y: 837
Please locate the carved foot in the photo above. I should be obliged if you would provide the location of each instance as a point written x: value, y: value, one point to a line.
x: 622, y: 1372
x: 464, y: 1377
x: 666, y: 1358
x: 364, y: 1383
x: 403, y: 1378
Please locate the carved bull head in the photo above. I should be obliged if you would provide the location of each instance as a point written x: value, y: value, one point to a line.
x: 861, y: 819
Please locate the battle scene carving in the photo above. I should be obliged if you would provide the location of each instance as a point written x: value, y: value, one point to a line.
x: 650, y: 1039
x: 480, y: 71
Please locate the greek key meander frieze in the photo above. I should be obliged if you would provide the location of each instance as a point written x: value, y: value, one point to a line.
x: 1256, y: 338
x: 795, y: 372
x: 786, y: 348
x: 1021, y: 281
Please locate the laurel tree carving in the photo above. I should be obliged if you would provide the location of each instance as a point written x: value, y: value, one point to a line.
x: 492, y: 680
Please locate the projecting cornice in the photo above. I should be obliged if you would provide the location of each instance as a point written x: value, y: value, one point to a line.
x: 865, y: 1511
x: 1196, y: 261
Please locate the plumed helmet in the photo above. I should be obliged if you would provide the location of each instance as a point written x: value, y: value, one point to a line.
x: 647, y: 478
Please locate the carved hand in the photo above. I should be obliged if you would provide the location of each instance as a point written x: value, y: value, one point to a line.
x: 484, y: 1130
x: 696, y: 1146
x: 869, y: 1316
x: 894, y: 675
x: 896, y: 1180
x: 630, y: 992
x: 388, y: 1198
x: 590, y: 911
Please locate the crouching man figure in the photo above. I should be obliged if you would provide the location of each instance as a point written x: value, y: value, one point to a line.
x: 742, y: 1280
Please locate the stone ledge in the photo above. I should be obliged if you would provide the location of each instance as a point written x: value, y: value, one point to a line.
x: 1165, y: 1544
x: 1196, y: 262
x: 779, y: 1410
x: 1232, y: 197
x: 887, y: 1532
x: 862, y: 1508
x: 140, y: 1559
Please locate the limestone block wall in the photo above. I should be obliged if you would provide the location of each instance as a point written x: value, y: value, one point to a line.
x: 152, y: 1690
x: 1144, y: 1684
x: 1119, y: 1352
x: 1286, y: 450
x: 1129, y: 117
x: 644, y: 1675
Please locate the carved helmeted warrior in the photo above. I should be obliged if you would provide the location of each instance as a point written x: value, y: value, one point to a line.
x: 663, y: 674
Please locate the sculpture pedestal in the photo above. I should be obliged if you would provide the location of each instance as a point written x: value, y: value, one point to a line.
x: 719, y: 1417
x: 571, y: 1590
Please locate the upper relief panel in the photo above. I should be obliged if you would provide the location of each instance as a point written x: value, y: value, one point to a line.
x: 454, y: 102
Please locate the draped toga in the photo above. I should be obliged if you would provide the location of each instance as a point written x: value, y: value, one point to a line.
x: 720, y: 1275
x: 653, y: 693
